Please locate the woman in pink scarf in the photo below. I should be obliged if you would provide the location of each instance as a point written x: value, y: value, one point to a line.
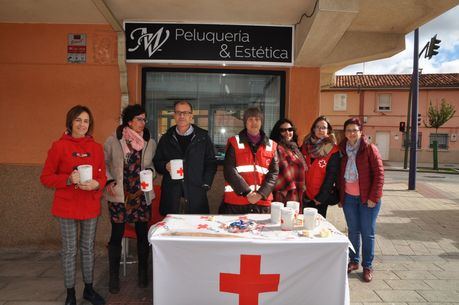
x: 127, y: 152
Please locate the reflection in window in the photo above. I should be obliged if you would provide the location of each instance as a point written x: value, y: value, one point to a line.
x: 219, y: 98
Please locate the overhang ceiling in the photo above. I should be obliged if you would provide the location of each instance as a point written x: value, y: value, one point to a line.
x: 339, y: 32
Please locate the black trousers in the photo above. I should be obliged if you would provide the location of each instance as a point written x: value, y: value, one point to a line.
x: 141, y: 230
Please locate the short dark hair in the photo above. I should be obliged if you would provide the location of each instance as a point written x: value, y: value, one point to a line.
x: 130, y: 112
x: 73, y: 113
x: 252, y: 112
x: 183, y: 102
x: 354, y: 121
x: 276, y: 134
x: 321, y: 118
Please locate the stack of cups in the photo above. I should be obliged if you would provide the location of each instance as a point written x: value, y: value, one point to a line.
x: 309, y: 220
x: 276, y: 212
x: 287, y: 219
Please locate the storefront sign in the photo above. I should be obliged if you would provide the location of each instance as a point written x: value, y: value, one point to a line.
x: 209, y: 43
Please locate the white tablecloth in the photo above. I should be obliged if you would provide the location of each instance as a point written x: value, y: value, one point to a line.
x: 197, y: 261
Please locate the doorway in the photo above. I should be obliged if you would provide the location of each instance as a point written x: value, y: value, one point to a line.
x: 383, y: 143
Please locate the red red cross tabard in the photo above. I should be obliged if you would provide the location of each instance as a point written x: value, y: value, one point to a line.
x: 180, y: 171
x: 249, y: 283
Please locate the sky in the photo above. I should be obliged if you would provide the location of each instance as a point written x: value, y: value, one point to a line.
x: 446, y: 27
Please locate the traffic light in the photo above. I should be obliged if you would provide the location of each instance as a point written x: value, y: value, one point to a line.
x: 433, y: 47
x: 401, y: 127
x: 419, y: 120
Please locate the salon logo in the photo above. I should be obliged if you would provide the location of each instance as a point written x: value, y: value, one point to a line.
x: 149, y: 42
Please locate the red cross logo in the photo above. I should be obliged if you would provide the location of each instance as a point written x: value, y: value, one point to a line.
x: 180, y: 171
x: 322, y: 163
x: 202, y: 226
x: 144, y: 185
x: 243, y: 218
x: 249, y: 283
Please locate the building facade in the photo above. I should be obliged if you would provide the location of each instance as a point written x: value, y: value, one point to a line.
x: 381, y: 102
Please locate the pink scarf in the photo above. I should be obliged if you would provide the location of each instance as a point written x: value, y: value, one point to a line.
x: 132, y: 139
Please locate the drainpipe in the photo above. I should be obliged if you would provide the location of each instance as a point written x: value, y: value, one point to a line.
x: 111, y: 19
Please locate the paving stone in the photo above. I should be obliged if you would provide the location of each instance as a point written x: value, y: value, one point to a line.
x: 443, y: 284
x: 364, y: 295
x: 373, y: 285
x: 32, y: 289
x: 440, y: 296
x: 384, y: 275
x: 399, y: 296
x: 422, y: 266
x: 390, y: 266
x: 408, y: 284
x: 446, y: 275
x: 25, y: 268
x: 33, y: 303
x: 415, y: 275
x: 448, y: 266
x: 385, y: 304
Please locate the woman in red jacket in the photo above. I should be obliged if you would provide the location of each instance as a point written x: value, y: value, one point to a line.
x: 361, y: 183
x: 76, y: 203
x: 322, y: 165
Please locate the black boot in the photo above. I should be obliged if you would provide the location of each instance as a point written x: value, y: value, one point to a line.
x: 143, y: 252
x: 92, y: 296
x: 114, y: 256
x: 70, y: 299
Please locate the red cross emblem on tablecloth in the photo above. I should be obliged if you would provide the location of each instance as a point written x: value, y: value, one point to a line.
x: 249, y: 283
x: 202, y: 226
x: 144, y: 185
x: 322, y: 163
x: 180, y: 171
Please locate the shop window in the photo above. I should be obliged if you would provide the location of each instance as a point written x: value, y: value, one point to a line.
x: 407, y: 143
x: 384, y: 102
x: 340, y: 102
x: 442, y: 140
x: 219, y: 98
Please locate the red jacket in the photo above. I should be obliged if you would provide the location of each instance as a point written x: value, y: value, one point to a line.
x: 252, y: 168
x: 63, y: 157
x: 370, y: 168
x: 316, y: 172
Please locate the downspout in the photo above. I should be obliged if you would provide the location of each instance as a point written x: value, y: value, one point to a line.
x: 111, y: 19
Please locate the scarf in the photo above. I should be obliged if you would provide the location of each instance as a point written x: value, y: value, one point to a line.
x: 319, y: 148
x: 131, y: 140
x: 351, y: 174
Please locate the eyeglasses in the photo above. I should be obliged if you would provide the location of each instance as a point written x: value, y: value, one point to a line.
x: 352, y: 130
x: 184, y: 113
x: 144, y: 120
x: 286, y: 129
x: 321, y: 128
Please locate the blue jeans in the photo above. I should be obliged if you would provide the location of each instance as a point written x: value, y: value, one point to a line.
x: 361, y: 223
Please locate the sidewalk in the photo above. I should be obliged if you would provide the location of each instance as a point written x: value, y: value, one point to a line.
x: 417, y: 257
x: 422, y: 167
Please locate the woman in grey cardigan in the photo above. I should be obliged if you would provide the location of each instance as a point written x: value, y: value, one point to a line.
x: 128, y: 151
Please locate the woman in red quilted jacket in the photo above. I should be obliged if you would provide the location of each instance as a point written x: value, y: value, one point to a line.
x: 322, y: 165
x: 76, y: 203
x: 361, y: 184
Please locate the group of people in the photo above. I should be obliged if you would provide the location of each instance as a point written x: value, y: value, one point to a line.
x: 257, y: 169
